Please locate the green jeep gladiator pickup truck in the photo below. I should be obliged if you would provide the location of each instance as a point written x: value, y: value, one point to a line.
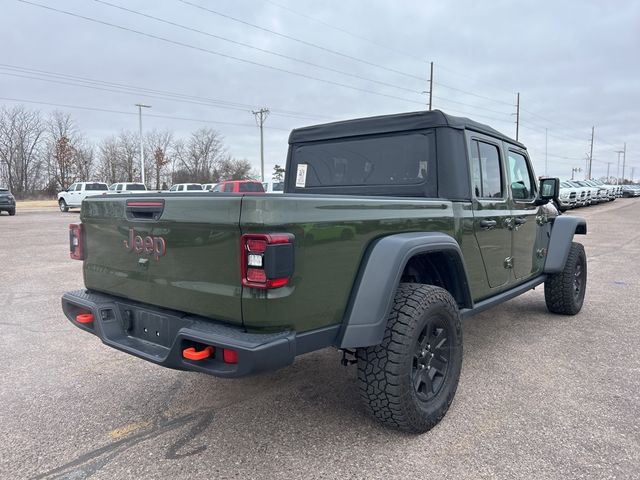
x: 392, y: 229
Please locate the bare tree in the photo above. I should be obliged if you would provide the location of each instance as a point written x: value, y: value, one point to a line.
x: 234, y: 169
x: 84, y: 161
x: 128, y: 156
x: 66, y: 160
x: 108, y: 168
x: 158, y: 143
x: 200, y: 155
x: 21, y: 147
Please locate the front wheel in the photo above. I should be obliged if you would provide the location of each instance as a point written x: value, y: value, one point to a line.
x: 564, y: 291
x: 12, y: 212
x: 63, y: 205
x: 410, y: 379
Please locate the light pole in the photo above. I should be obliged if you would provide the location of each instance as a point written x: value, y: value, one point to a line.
x: 140, y: 107
x: 618, y: 170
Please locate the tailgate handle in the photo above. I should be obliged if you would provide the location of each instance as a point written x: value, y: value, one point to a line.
x: 144, y: 209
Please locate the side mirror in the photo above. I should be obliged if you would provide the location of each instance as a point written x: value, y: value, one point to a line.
x: 549, y: 190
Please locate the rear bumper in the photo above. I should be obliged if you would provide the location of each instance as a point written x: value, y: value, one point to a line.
x: 160, y: 336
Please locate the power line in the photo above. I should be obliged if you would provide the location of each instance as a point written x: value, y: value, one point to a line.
x: 122, y: 112
x: 133, y: 90
x: 460, y: 74
x: 213, y: 52
x: 455, y: 89
x: 264, y: 50
x: 344, y: 30
x: 304, y: 42
x: 437, y: 97
x: 564, y: 127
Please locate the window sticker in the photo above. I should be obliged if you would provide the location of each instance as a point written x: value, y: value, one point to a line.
x: 301, y: 175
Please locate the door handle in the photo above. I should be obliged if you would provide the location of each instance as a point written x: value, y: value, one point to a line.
x: 520, y: 220
x: 488, y: 224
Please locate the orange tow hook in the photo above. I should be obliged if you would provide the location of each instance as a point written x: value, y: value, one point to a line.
x: 192, y: 354
x: 84, y: 318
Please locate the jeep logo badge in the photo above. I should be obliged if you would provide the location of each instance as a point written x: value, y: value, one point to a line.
x: 155, y: 246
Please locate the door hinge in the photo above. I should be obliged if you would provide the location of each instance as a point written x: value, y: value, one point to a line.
x: 508, y: 262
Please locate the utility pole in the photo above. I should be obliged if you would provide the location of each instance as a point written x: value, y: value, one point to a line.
x: 590, y: 154
x: 140, y: 107
x: 624, y: 160
x: 517, y: 115
x: 431, y: 87
x: 261, y: 116
x: 633, y: 169
x: 546, y: 160
x: 608, y: 165
x: 618, y: 170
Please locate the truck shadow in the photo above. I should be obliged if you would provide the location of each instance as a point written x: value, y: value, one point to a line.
x: 274, y: 413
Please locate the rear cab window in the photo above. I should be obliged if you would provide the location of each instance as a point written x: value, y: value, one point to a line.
x: 401, y: 164
x: 96, y: 186
x: 250, y: 187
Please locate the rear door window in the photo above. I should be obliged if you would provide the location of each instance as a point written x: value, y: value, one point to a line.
x: 486, y: 175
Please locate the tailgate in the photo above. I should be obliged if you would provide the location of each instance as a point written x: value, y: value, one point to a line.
x: 177, y: 252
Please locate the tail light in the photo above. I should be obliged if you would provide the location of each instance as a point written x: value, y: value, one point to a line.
x: 76, y: 241
x: 266, y: 260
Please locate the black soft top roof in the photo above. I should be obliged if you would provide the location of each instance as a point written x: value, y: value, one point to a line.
x: 392, y: 123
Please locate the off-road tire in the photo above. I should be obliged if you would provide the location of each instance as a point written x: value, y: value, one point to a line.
x: 388, y: 373
x: 564, y: 291
x: 63, y: 205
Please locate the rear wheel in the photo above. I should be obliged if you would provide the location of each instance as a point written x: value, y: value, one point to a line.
x: 410, y: 379
x: 564, y: 291
x: 63, y: 205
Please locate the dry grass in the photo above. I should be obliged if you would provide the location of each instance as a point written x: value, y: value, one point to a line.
x: 36, y: 204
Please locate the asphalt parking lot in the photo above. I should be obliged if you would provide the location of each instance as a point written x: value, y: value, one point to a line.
x: 541, y: 396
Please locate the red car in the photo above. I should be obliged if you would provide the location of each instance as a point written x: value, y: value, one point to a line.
x: 239, y: 186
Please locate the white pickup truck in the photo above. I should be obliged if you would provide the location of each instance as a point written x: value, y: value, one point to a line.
x: 72, y: 197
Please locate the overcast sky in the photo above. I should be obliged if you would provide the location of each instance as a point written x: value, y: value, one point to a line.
x: 575, y: 64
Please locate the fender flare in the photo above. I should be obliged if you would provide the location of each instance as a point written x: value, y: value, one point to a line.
x: 562, y: 233
x: 380, y: 272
